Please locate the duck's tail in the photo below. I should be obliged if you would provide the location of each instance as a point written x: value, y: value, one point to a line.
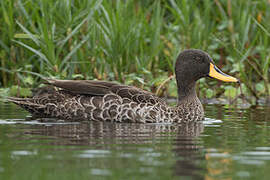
x: 28, y: 104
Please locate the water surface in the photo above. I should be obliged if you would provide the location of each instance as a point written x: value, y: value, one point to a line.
x: 231, y: 144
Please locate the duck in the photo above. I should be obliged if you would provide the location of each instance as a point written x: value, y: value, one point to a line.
x: 94, y: 100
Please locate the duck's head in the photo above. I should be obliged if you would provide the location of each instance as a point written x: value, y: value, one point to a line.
x: 193, y: 64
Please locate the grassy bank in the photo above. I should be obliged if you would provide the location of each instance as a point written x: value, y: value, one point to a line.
x: 135, y: 42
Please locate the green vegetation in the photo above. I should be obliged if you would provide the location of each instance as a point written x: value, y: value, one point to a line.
x: 134, y: 41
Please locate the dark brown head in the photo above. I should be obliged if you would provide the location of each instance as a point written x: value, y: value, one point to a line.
x: 193, y: 64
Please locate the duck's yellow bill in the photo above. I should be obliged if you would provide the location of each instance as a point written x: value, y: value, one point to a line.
x: 214, y: 72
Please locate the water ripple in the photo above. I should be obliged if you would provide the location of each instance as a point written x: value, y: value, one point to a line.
x: 94, y: 153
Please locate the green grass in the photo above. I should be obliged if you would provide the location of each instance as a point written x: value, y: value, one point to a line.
x: 134, y: 41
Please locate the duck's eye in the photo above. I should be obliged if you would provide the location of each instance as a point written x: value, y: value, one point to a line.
x: 199, y: 59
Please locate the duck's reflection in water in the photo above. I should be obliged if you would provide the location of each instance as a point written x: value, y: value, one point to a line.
x: 183, y: 139
x: 188, y: 150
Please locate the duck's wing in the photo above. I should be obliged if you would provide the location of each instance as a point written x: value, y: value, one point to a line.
x: 101, y: 88
x: 86, y: 87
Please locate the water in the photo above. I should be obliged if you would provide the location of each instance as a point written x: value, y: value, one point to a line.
x: 231, y: 144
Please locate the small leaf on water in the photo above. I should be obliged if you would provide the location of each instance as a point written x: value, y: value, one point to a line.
x: 209, y: 93
x: 260, y: 87
x: 77, y: 76
x: 230, y: 91
x: 29, y: 80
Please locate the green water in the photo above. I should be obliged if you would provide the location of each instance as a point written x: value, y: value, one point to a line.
x: 230, y: 144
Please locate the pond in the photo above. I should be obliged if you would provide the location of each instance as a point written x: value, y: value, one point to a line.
x: 231, y: 143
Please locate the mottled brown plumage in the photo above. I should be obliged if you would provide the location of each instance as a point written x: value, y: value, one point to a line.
x: 77, y: 100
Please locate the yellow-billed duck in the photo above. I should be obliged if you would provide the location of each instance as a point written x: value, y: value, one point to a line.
x: 80, y: 100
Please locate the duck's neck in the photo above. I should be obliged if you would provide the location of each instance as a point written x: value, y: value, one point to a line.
x: 189, y: 107
x: 186, y: 91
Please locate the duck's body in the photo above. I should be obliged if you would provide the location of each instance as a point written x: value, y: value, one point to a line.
x: 111, y: 102
x: 107, y: 101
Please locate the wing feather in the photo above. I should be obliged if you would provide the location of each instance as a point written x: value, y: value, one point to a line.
x: 101, y: 88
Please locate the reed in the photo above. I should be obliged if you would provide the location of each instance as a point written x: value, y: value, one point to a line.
x: 135, y: 42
